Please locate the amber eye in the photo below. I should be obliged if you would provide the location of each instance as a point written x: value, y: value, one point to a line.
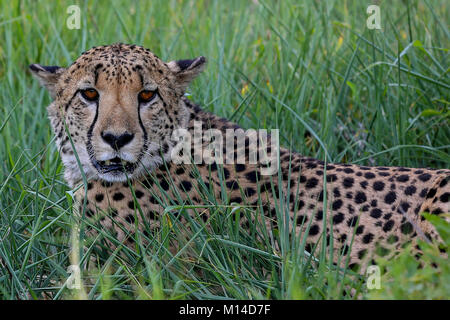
x: 146, y: 95
x: 90, y: 94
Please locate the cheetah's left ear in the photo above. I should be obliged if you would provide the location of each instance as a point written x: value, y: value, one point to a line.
x: 48, y: 76
x: 186, y: 70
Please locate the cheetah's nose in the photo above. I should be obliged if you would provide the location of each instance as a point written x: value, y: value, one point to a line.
x: 117, y: 141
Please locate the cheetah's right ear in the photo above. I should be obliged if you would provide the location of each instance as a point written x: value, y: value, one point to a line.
x: 48, y: 76
x: 186, y: 70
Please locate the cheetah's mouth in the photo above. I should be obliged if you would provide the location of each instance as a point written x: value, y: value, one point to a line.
x: 114, y: 165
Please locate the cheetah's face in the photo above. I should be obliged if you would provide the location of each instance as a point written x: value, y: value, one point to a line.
x: 120, y: 105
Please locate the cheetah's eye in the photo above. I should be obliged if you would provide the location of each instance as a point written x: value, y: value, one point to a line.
x: 90, y: 94
x: 146, y: 95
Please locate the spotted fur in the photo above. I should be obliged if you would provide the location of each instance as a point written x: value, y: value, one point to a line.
x: 381, y: 206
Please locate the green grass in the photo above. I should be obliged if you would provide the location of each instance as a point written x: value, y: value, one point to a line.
x: 338, y: 91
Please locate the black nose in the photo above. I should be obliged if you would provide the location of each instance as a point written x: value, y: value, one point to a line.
x: 117, y: 141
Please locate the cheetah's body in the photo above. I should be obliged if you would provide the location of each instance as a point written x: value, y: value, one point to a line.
x: 387, y: 200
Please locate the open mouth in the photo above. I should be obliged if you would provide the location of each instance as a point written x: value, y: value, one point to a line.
x: 114, y: 165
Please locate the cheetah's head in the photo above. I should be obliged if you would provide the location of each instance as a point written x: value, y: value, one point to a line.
x: 120, y: 105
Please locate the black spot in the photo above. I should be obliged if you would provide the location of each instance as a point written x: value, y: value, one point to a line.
x: 375, y: 213
x: 348, y: 182
x: 236, y: 200
x: 89, y: 186
x: 99, y: 197
x: 226, y: 173
x: 164, y: 184
x: 113, y: 212
x: 342, y: 238
x: 311, y: 183
x: 360, y: 197
x: 337, y: 204
x: 410, y: 190
x: 268, y: 187
x: 331, y: 178
x: 431, y: 193
x: 403, y: 178
x: 179, y: 171
x: 352, y: 221
x: 301, y: 219
x: 390, y: 197
x: 130, y: 218
x: 354, y: 267
x: 436, y: 211
x: 403, y: 208
x: 301, y: 204
x: 338, y: 218
x: 314, y: 230
x: 369, y: 175
x: 253, y: 176
x: 336, y: 193
x: 233, y: 185
x: 362, y: 253
x: 388, y: 225
x: 387, y: 216
x: 359, y: 230
x: 186, y: 185
x: 406, y: 228
x: 152, y: 215
x: 131, y: 205
x: 444, y: 197
x: 367, y: 238
x: 311, y: 165
x: 424, y: 177
x: 348, y: 170
x: 319, y: 215
x: 381, y: 251
x: 139, y: 194
x: 89, y: 213
x: 344, y: 249
x: 240, y: 167
x: 423, y: 193
x: 363, y: 184
x: 249, y: 191
x: 148, y: 183
x: 378, y: 185
x: 118, y: 196
x: 153, y: 200
x: 444, y: 182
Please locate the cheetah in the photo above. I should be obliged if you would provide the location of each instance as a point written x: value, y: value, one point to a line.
x: 114, y: 114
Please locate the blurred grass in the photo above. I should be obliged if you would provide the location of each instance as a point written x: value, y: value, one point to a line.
x: 338, y: 91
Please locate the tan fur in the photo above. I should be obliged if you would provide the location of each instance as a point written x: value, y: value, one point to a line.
x: 386, y: 200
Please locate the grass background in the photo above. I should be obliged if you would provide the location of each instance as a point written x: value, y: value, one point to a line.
x: 337, y: 90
